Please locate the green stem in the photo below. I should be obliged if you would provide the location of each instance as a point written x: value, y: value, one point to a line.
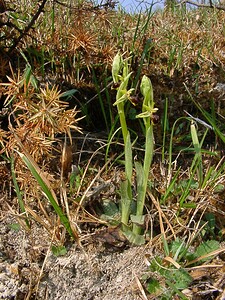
x: 126, y: 188
x: 149, y: 147
x: 123, y: 122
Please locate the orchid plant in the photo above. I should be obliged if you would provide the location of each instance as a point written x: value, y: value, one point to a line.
x: 132, y: 224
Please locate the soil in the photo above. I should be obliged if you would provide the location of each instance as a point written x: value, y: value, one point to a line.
x: 29, y: 270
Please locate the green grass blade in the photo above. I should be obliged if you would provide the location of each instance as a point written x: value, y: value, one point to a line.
x: 144, y: 54
x: 18, y: 192
x: 101, y: 102
x: 171, y: 146
x: 170, y: 187
x: 208, y: 117
x: 165, y: 128
x: 47, y: 192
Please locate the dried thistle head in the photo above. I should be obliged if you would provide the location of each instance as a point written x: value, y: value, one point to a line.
x: 45, y: 114
x: 40, y: 147
x: 106, y: 54
x: 82, y: 41
x: 12, y: 88
x: 38, y: 116
x: 50, y: 115
x: 85, y: 43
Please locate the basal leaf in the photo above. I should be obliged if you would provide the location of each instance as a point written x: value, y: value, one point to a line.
x: 206, y: 248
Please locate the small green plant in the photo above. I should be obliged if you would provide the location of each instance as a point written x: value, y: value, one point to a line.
x: 59, y: 250
x: 198, y: 176
x: 172, y: 275
x: 175, y: 280
x: 121, y: 76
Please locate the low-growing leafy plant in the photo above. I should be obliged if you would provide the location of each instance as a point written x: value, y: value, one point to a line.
x: 59, y: 250
x: 171, y: 275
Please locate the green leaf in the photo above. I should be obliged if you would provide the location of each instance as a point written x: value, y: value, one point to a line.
x: 139, y: 176
x: 156, y: 264
x: 125, y: 201
x: 28, y: 77
x: 189, y: 205
x: 210, y: 217
x: 170, y: 188
x: 75, y: 178
x: 206, y: 248
x: 140, y: 220
x: 174, y: 291
x: 69, y: 93
x: 180, y: 278
x: 165, y: 245
x: 153, y: 286
x: 125, y: 68
x: 128, y: 158
x: 133, y: 238
x: 110, y: 208
x: 219, y: 188
x: 14, y: 226
x: 59, y: 250
x: 195, y: 140
x: 176, y: 279
x: 177, y: 246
